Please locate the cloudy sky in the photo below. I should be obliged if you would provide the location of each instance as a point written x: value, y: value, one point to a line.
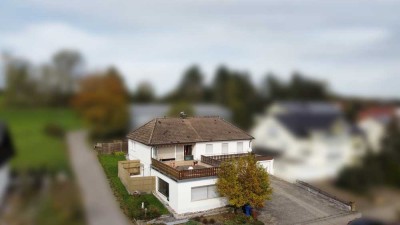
x: 353, y: 45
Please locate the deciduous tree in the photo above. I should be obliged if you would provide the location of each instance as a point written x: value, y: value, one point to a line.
x: 103, y: 102
x: 243, y: 181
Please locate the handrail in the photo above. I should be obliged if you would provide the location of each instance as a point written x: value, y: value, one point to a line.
x: 183, y: 174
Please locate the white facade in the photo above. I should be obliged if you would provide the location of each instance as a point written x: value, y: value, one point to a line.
x: 137, y: 150
x: 374, y: 132
x: 4, y: 180
x: 319, y: 156
x: 180, y: 194
x: 144, y: 153
x: 217, y: 148
x: 191, y: 195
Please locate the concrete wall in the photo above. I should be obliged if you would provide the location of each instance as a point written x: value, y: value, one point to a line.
x: 134, y: 183
x: 4, y: 180
x: 180, y: 194
x: 268, y: 165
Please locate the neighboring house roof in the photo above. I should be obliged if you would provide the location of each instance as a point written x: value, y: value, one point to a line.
x: 381, y: 114
x: 161, y: 131
x: 309, y: 107
x: 301, y: 124
x: 142, y: 113
x: 6, y: 146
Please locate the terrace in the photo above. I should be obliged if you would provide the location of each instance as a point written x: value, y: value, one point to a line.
x: 208, y: 166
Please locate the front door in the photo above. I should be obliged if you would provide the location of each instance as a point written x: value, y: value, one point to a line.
x: 187, y: 151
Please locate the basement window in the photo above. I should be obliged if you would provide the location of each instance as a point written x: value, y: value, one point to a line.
x: 163, y: 188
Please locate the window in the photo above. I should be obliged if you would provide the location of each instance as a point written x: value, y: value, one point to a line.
x: 163, y: 187
x: 224, y: 148
x: 239, y: 147
x: 204, y: 192
x: 209, y: 149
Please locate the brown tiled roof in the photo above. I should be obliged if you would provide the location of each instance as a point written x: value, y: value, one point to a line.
x: 161, y: 131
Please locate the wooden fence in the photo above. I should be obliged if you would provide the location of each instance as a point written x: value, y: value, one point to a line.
x: 210, y: 161
x: 183, y: 174
x: 111, y: 147
x: 133, y: 184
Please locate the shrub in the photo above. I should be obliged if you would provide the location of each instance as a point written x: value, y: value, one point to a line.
x: 119, y: 153
x: 54, y: 130
x: 198, y: 219
x: 205, y: 221
x: 153, y: 212
x: 212, y: 221
x: 191, y: 222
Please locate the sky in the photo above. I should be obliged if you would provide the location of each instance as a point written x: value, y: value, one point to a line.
x: 354, y: 46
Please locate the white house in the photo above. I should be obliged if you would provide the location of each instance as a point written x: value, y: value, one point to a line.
x: 311, y: 140
x: 184, y: 155
x: 373, y: 121
x: 6, y: 152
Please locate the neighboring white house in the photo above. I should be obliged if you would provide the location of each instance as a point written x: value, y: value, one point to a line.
x: 184, y: 155
x: 6, y: 152
x: 311, y: 140
x: 373, y: 122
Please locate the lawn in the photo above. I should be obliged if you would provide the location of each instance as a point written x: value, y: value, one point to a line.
x: 35, y: 148
x: 131, y: 205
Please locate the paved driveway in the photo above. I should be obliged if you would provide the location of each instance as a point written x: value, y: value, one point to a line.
x: 100, y: 204
x: 291, y: 204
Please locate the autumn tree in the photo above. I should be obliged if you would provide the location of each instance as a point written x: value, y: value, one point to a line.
x: 103, y: 103
x: 243, y: 181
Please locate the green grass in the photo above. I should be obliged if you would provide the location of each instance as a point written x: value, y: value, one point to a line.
x: 130, y: 205
x: 34, y: 148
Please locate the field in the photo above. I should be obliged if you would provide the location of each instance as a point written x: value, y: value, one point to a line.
x: 130, y: 205
x: 34, y: 147
x: 41, y: 156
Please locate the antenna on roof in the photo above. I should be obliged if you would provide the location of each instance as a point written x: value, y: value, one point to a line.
x: 182, y: 115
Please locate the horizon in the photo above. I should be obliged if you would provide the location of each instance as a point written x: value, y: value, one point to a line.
x: 337, y: 42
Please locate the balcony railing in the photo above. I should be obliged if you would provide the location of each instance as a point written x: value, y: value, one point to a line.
x: 210, y: 161
x: 215, y: 161
x: 183, y: 174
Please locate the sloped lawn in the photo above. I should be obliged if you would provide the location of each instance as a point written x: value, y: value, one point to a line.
x: 36, y: 149
x: 130, y: 205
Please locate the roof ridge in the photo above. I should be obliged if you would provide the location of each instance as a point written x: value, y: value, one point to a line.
x: 140, y: 126
x: 152, y: 131
x: 190, y: 124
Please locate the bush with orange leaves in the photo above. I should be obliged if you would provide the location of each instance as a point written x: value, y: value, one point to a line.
x: 103, y: 102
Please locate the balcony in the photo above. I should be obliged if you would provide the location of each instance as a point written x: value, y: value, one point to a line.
x: 207, y: 167
x: 180, y: 170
